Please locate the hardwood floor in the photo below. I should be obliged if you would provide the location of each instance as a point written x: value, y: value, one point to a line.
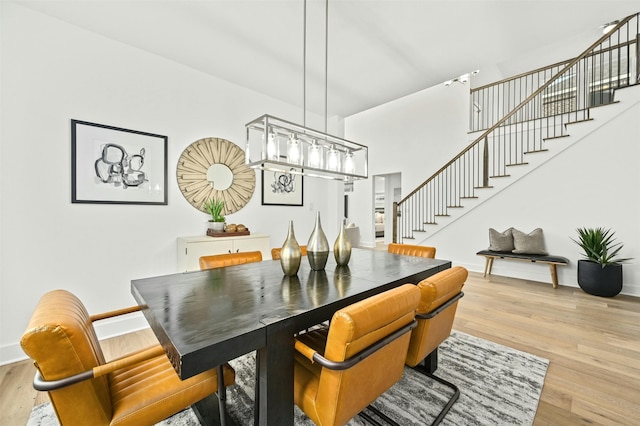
x: 593, y: 345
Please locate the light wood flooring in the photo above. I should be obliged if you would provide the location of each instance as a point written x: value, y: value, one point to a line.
x: 593, y: 344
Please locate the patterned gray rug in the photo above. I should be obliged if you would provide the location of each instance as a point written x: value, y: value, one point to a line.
x: 498, y: 385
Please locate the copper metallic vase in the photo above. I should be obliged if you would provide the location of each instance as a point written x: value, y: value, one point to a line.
x: 342, y: 248
x: 318, y: 247
x: 290, y: 254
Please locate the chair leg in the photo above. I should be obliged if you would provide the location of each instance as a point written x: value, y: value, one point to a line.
x: 427, y: 367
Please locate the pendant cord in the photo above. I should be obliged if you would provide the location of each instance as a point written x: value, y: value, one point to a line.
x: 304, y: 64
x: 326, y: 62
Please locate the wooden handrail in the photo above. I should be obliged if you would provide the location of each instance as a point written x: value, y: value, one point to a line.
x: 569, y: 65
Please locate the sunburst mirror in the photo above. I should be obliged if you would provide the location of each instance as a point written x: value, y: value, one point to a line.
x: 214, y: 167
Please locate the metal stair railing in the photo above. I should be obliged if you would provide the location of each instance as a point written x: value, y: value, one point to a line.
x: 565, y: 93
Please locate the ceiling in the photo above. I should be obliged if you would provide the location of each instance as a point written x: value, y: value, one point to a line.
x: 378, y: 50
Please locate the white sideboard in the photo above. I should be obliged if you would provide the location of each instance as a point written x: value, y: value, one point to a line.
x: 191, y: 248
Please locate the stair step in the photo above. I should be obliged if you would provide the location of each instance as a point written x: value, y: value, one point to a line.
x: 441, y: 215
x: 429, y: 223
x: 578, y: 121
x: 408, y: 238
x: 498, y: 176
x: 419, y: 230
x: 601, y: 105
x: 555, y: 137
x: 455, y: 207
x: 517, y: 164
x: 482, y: 187
x: 536, y: 151
x: 468, y: 198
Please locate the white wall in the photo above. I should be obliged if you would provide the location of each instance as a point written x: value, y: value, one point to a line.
x: 414, y: 136
x: 52, y: 72
x: 592, y: 183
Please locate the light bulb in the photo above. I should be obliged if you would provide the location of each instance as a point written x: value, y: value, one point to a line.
x: 333, y: 159
x: 272, y: 146
x: 349, y: 165
x: 314, y: 158
x: 293, y: 149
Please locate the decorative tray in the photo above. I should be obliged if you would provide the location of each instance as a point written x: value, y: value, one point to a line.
x: 211, y: 233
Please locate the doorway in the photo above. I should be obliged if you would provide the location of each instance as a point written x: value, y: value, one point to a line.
x: 386, y: 190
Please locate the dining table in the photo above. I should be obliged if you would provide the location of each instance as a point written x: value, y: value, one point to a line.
x: 206, y: 318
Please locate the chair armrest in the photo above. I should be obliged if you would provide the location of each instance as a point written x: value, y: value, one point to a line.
x: 134, y: 358
x: 445, y: 305
x: 110, y: 314
x: 307, y: 351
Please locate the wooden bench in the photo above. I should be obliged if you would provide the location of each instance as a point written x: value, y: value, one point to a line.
x: 552, y: 261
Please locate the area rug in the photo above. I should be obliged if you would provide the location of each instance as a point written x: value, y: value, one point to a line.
x: 499, y: 386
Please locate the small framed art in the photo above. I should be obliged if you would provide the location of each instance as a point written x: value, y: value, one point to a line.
x: 282, y: 189
x: 111, y: 165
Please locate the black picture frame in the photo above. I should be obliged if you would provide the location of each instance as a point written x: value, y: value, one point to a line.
x: 112, y: 165
x: 282, y: 189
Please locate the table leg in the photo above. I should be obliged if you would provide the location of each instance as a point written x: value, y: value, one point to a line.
x: 274, y: 387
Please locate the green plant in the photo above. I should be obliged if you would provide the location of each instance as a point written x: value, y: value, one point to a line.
x: 599, y: 246
x: 214, y: 207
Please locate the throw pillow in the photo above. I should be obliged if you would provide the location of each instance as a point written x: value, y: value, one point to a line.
x: 532, y: 243
x: 500, y: 241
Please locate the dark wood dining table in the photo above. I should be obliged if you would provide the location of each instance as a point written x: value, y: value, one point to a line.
x: 206, y: 318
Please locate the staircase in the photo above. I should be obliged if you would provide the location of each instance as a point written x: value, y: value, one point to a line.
x: 521, y: 123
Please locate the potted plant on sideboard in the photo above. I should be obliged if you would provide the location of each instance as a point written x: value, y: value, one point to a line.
x: 215, y: 207
x: 600, y: 273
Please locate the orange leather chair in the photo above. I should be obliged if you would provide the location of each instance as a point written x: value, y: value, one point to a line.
x: 435, y: 314
x: 339, y: 371
x: 412, y: 250
x: 138, y: 389
x: 229, y: 259
x: 275, y: 252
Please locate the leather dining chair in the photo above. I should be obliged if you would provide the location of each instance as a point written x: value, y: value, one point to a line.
x: 140, y: 388
x: 412, y: 250
x: 229, y: 259
x: 341, y: 369
x: 275, y: 252
x: 439, y: 295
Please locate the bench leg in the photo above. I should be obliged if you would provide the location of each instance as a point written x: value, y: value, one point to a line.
x: 554, y: 274
x: 488, y: 265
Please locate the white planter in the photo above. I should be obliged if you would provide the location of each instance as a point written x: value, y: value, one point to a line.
x: 216, y: 226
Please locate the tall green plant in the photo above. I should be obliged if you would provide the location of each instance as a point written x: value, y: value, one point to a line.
x: 214, y: 207
x: 599, y: 246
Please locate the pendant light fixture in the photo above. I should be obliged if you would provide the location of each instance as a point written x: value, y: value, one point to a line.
x: 278, y: 145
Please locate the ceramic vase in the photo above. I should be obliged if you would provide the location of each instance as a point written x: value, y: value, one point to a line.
x: 290, y: 254
x: 318, y: 247
x: 342, y: 248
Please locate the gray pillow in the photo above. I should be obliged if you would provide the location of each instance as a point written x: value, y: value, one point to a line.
x: 500, y: 241
x: 532, y: 243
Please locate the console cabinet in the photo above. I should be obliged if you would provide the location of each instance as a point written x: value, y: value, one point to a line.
x: 191, y: 248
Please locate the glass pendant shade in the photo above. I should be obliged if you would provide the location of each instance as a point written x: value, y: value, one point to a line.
x: 294, y: 155
x: 333, y: 159
x: 349, y: 166
x: 273, y: 148
x: 315, y: 155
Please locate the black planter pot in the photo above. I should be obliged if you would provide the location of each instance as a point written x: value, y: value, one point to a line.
x: 599, y: 281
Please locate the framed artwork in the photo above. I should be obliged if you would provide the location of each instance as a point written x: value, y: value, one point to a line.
x: 282, y: 189
x: 110, y: 165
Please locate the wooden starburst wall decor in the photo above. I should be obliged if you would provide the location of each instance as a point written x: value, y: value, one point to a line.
x: 214, y: 167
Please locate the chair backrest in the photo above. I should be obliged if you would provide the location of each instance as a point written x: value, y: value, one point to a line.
x: 343, y: 394
x: 275, y: 252
x: 229, y: 259
x: 61, y: 340
x: 412, y: 250
x: 435, y: 291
